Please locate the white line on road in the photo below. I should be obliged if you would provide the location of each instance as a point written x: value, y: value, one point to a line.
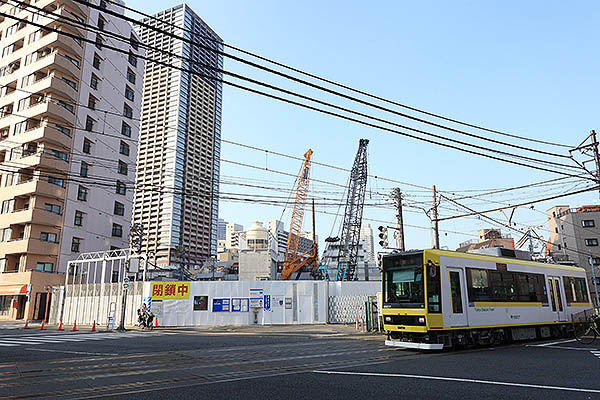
x: 76, y: 352
x: 443, y: 378
x: 552, y: 343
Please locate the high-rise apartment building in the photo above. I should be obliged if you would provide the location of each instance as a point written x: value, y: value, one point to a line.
x: 366, y: 235
x: 222, y: 229
x: 67, y: 162
x: 180, y: 139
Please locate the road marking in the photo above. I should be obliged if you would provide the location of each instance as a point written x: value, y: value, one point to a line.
x: 596, y: 353
x: 552, y: 343
x: 76, y: 352
x: 67, y: 338
x: 443, y: 378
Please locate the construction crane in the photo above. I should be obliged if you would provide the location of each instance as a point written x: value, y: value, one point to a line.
x: 350, y: 237
x: 293, y: 262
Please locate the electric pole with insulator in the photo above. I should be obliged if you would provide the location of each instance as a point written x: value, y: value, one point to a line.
x: 397, y: 195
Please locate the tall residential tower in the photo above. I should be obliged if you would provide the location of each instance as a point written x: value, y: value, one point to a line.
x: 176, y: 201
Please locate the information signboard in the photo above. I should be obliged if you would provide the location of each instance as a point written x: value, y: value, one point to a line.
x: 267, y: 302
x: 170, y: 290
x: 221, y: 305
x: 239, y: 305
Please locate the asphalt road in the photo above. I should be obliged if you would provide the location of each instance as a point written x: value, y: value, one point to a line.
x: 323, y: 362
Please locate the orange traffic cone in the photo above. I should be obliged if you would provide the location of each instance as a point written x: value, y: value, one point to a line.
x: 60, y: 327
x: 94, y: 326
x: 156, y: 322
x: 357, y: 322
x: 26, y: 324
x: 42, y: 327
x: 75, y: 325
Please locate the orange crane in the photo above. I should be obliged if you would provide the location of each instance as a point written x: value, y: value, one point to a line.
x: 293, y: 262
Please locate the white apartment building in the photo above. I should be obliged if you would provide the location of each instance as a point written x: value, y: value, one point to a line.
x: 366, y: 235
x: 98, y: 217
x: 277, y: 230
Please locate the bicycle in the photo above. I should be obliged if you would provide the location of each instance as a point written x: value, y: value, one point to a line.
x: 587, y: 331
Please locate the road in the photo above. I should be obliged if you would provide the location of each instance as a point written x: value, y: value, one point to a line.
x: 316, y: 362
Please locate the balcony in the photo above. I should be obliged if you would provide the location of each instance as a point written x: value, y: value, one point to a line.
x: 41, y: 134
x: 31, y: 215
x: 54, y: 85
x: 35, y: 187
x: 54, y: 60
x: 48, y: 108
x: 54, y: 39
x: 34, y: 246
x: 38, y: 160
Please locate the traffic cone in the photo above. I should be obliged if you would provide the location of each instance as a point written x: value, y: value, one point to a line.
x: 357, y: 322
x: 60, y: 327
x: 156, y: 322
x: 26, y: 324
x: 75, y: 325
x: 94, y: 326
x: 42, y: 327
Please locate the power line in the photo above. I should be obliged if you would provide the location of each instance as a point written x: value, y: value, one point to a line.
x: 272, y: 87
x: 331, y: 82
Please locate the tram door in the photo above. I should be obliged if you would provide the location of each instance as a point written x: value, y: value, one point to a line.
x: 556, y: 298
x: 458, y: 304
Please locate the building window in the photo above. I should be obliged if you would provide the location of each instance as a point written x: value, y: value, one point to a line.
x: 94, y: 82
x: 98, y: 42
x: 70, y: 83
x: 103, y: 4
x: 58, y: 154
x: 78, y: 218
x: 44, y: 267
x: 83, y: 171
x: 101, y: 23
x: 125, y: 129
x: 56, y: 181
x: 92, y: 102
x: 117, y: 230
x: 134, y: 43
x: 127, y: 111
x: 596, y: 260
x: 129, y: 93
x: 122, y: 168
x: 62, y: 129
x: 96, y: 62
x: 89, y: 124
x: 119, y: 208
x: 130, y: 76
x: 591, y: 242
x: 121, y: 188
x: 87, y: 146
x: 77, y: 40
x: 48, y: 237
x: 124, y: 148
x: 6, y: 234
x: 66, y: 106
x: 72, y: 60
x: 132, y: 59
x: 82, y: 193
x: 588, y: 223
x: 75, y: 244
x: 8, y: 206
x: 53, y: 208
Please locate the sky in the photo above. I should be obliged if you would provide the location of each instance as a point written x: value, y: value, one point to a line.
x: 526, y: 68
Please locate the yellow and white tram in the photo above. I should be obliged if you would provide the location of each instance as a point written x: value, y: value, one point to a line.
x: 434, y: 299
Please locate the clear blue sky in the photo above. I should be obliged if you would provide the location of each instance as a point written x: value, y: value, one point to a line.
x: 529, y: 68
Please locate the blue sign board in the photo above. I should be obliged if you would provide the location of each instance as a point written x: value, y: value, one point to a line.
x: 221, y: 305
x: 267, y: 302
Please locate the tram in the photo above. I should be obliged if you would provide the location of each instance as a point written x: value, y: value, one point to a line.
x: 435, y: 299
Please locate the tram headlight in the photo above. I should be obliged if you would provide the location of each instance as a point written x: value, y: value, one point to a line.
x: 421, y: 320
x: 388, y: 319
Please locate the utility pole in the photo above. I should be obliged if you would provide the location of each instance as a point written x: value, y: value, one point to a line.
x: 594, y: 279
x: 397, y: 194
x: 136, y: 234
x: 596, y: 156
x: 434, y: 221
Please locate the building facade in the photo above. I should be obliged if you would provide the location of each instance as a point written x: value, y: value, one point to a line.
x: 180, y: 139
x: 222, y: 230
x: 575, y: 237
x: 277, y: 230
x: 366, y: 235
x: 61, y: 170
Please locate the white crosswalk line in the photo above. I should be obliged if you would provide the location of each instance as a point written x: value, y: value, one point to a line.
x: 64, y: 338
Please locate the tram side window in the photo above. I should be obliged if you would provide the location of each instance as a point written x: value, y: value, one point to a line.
x: 488, y: 285
x: 478, y: 288
x: 575, y: 290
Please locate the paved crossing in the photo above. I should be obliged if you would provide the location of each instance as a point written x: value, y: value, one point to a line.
x: 596, y: 353
x: 11, y: 326
x: 66, y: 338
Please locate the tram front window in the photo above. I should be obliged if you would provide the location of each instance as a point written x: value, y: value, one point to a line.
x: 404, y: 282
